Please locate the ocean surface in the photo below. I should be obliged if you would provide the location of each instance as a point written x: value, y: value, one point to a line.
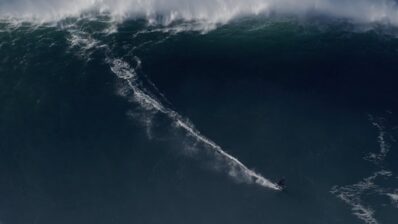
x: 189, y: 112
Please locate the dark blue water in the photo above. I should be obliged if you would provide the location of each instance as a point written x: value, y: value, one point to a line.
x: 306, y: 102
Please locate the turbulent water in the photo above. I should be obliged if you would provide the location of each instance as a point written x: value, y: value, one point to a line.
x: 190, y: 111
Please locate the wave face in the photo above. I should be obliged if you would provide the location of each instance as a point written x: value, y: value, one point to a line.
x: 210, y: 11
x: 97, y: 95
x: 137, y: 88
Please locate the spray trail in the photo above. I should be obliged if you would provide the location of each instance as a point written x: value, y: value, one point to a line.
x: 149, y: 101
x: 236, y: 168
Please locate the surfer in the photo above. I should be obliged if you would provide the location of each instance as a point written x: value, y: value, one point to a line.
x: 282, y: 184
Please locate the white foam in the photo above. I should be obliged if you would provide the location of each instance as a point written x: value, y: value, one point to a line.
x: 351, y: 195
x: 211, y: 11
x: 384, y: 146
x: 83, y: 42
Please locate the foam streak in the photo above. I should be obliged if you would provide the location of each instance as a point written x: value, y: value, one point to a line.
x: 351, y: 195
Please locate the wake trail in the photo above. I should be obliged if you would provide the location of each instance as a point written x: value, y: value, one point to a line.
x: 236, y: 168
x: 148, y: 101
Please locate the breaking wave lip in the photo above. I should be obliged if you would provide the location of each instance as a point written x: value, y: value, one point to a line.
x: 208, y: 11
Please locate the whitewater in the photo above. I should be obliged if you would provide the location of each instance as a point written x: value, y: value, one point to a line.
x: 208, y: 11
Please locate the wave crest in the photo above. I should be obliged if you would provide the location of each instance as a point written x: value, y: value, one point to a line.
x: 211, y: 11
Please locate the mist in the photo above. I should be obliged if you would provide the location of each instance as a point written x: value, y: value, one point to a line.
x: 212, y: 11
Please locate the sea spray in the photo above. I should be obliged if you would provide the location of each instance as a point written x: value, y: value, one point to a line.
x: 207, y: 11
